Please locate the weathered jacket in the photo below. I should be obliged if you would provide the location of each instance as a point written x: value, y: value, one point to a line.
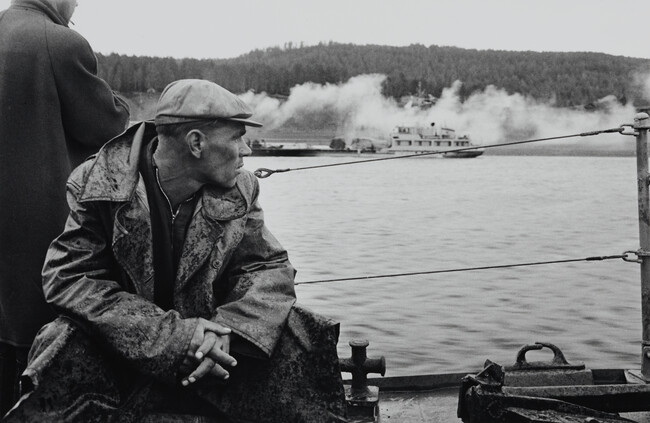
x: 99, y: 274
x: 54, y: 112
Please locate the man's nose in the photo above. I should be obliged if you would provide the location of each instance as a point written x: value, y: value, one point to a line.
x: 244, y: 149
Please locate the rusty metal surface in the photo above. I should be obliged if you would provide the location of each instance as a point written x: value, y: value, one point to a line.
x: 558, y: 362
x: 433, y: 398
x: 362, y: 400
x: 484, y: 398
x: 364, y: 410
x: 359, y: 365
x: 554, y: 372
x: 547, y: 416
x: 437, y: 406
x: 478, y: 405
x: 549, y: 378
x: 609, y: 398
x: 446, y: 380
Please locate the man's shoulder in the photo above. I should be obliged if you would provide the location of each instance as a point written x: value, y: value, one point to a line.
x: 63, y: 40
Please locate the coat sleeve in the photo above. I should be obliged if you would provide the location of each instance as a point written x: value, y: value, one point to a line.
x: 80, y: 282
x: 92, y: 113
x: 262, y: 284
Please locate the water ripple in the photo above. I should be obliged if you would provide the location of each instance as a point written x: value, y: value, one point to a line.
x: 418, y: 215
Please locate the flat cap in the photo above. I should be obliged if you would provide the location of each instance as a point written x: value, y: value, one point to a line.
x: 192, y: 100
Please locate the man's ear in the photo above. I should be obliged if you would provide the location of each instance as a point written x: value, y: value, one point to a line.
x: 195, y: 140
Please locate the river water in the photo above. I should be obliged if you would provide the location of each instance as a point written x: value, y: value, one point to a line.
x: 424, y: 214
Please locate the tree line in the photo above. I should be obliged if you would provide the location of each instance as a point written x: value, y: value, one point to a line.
x: 567, y: 79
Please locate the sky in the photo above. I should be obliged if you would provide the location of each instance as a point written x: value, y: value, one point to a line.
x: 224, y: 29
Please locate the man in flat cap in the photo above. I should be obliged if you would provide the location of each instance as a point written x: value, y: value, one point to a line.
x: 176, y: 303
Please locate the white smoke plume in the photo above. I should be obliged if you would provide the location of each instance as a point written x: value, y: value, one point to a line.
x: 358, y: 108
x: 642, y: 81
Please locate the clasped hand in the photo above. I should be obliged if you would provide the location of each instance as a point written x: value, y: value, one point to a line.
x: 210, y: 348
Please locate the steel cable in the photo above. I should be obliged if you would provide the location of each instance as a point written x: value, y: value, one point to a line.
x: 265, y: 173
x: 469, y: 269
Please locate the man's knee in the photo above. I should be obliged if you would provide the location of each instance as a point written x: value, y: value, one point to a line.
x: 82, y: 361
x: 67, y: 372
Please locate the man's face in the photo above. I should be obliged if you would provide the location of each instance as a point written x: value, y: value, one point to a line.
x: 222, y: 156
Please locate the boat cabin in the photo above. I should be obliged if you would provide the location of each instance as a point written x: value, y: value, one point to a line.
x: 427, y: 136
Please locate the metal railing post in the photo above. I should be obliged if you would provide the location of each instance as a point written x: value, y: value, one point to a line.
x: 641, y: 126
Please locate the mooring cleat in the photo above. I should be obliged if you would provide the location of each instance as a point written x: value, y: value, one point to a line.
x: 362, y: 400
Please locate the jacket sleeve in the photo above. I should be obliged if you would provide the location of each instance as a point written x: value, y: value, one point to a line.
x: 262, y: 285
x: 92, y: 113
x: 80, y: 282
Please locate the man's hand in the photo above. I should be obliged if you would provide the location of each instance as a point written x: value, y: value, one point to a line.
x: 210, y: 346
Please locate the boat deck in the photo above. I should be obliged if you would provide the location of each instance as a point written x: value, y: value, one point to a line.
x: 437, y: 406
x: 407, y: 399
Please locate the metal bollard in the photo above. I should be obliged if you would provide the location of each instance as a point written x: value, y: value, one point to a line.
x: 362, y: 400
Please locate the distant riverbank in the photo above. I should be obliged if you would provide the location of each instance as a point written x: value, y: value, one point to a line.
x: 143, y: 107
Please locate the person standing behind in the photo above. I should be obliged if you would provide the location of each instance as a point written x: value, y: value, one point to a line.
x: 54, y: 112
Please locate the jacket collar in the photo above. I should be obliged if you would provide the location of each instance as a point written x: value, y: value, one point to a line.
x: 44, y: 7
x: 113, y: 176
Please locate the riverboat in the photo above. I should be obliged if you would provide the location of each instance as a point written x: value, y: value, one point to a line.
x: 290, y: 149
x: 433, y: 141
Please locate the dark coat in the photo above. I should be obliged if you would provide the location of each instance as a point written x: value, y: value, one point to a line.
x: 54, y: 112
x: 99, y: 274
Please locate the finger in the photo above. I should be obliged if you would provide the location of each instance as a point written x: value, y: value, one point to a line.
x: 215, y: 327
x: 197, y: 339
x: 225, y: 346
x: 222, y: 357
x: 186, y: 366
x: 219, y: 372
x: 209, y: 341
x: 202, y: 369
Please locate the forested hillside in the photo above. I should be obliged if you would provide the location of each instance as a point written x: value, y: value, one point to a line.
x: 564, y: 79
